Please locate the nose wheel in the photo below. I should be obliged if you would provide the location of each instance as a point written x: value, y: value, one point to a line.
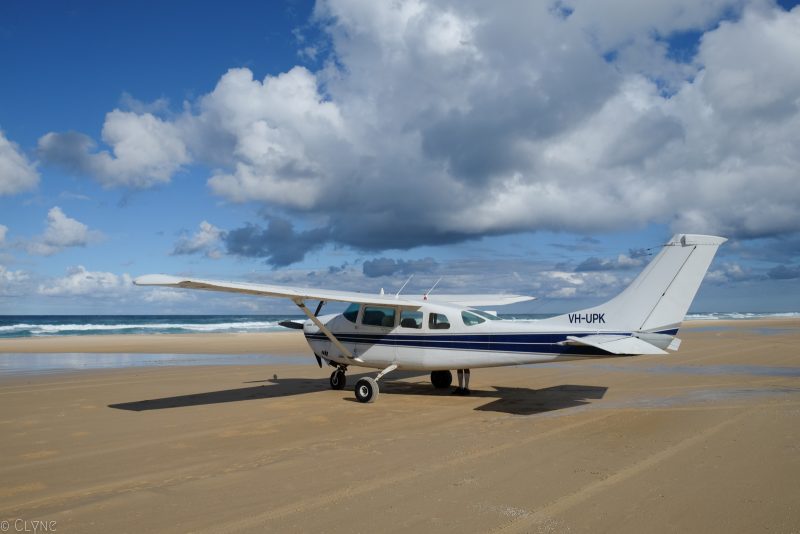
x: 367, y: 388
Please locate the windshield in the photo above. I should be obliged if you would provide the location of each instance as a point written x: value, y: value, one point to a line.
x: 351, y: 312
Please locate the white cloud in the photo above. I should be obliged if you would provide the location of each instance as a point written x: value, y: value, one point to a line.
x: 8, y: 276
x: 168, y: 296
x: 751, y: 65
x: 61, y: 232
x: 146, y: 151
x: 12, y: 282
x: 563, y: 293
x: 563, y: 284
x: 17, y: 173
x: 731, y: 272
x: 206, y: 240
x: 80, y: 282
x: 277, y: 133
x: 3, y: 232
x: 434, y: 122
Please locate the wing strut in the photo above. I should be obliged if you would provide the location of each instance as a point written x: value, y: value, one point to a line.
x: 324, y: 329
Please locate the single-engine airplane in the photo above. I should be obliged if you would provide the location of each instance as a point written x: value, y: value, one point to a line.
x: 439, y: 333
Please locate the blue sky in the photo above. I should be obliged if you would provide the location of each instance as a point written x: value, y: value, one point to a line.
x: 352, y: 144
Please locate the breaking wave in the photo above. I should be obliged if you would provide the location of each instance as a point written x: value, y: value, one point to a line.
x: 39, y: 326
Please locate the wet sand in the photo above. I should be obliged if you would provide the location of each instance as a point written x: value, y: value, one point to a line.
x: 704, y: 440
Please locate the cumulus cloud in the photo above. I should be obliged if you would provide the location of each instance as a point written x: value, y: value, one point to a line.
x: 61, y: 232
x: 277, y: 136
x: 564, y: 285
x: 621, y: 262
x: 81, y: 282
x: 387, y: 266
x: 146, y: 151
x: 205, y: 240
x: 3, y: 232
x: 8, y: 276
x: 279, y: 243
x: 435, y: 122
x: 732, y: 272
x: 17, y: 173
x: 13, y: 282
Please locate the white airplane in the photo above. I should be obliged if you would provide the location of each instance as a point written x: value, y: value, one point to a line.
x: 439, y: 333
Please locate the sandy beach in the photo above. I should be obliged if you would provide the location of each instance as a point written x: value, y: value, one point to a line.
x: 703, y: 440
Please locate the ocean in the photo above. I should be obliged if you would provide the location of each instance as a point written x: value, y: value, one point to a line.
x: 12, y: 326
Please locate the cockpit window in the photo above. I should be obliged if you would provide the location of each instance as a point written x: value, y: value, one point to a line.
x: 351, y: 312
x: 437, y: 321
x: 470, y: 319
x: 375, y: 316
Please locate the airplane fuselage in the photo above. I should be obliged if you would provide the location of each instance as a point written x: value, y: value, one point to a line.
x: 459, y: 343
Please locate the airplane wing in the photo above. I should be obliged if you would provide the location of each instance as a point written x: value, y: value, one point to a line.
x: 474, y: 301
x: 615, y: 344
x: 299, y: 294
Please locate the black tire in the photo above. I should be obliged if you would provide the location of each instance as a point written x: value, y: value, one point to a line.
x: 441, y: 379
x: 338, y: 379
x: 366, y: 390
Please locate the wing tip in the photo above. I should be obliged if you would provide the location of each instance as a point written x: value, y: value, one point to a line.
x: 156, y: 280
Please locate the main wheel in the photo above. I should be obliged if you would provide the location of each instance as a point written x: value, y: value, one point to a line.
x: 338, y: 379
x: 366, y: 390
x: 441, y: 379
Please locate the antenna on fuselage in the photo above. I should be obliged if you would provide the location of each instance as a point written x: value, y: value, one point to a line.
x: 425, y: 296
x: 403, y: 286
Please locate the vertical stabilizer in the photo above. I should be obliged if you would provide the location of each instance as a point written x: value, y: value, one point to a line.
x: 660, y: 296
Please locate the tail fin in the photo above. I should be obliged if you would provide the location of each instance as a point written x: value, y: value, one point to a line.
x: 660, y: 296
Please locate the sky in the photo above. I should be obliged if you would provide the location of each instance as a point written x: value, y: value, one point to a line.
x: 547, y: 148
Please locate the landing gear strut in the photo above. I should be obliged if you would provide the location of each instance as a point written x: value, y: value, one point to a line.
x: 367, y: 388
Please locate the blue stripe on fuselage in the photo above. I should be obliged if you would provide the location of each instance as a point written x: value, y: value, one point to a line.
x: 545, y: 343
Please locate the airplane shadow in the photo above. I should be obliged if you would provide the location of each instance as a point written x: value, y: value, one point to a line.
x: 519, y: 401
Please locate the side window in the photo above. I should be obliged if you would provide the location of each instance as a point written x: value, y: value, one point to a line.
x: 351, y: 312
x: 437, y: 321
x: 491, y: 316
x: 375, y: 316
x: 470, y: 319
x: 410, y: 319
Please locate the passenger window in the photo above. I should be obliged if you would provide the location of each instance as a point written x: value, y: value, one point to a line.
x: 351, y: 312
x: 374, y: 316
x: 437, y: 321
x: 411, y: 319
x: 470, y: 319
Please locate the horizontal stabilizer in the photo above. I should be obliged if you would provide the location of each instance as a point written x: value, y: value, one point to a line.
x: 294, y: 325
x: 615, y: 344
